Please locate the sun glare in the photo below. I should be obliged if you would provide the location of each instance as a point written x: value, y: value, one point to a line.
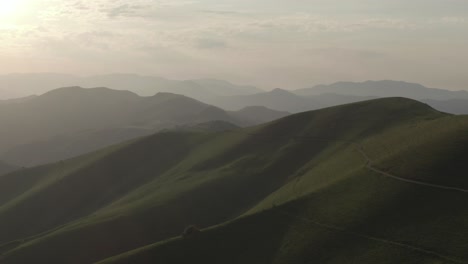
x: 10, y: 8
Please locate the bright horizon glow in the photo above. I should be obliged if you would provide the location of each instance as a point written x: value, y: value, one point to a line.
x: 10, y: 8
x: 266, y: 43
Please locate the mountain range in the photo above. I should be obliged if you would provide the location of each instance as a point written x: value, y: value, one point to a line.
x: 385, y: 88
x: 235, y: 97
x: 379, y: 181
x: 283, y: 100
x: 321, y: 96
x: 66, y: 122
x: 27, y: 84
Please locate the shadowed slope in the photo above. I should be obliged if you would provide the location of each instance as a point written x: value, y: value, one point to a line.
x: 221, y: 176
x: 342, y: 211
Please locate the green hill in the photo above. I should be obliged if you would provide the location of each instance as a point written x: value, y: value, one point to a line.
x: 380, y: 181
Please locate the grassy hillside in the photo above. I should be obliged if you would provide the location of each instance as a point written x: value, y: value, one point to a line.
x: 380, y: 181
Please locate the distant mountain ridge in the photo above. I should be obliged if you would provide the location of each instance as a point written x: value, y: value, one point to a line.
x: 23, y: 85
x: 385, y: 88
x: 70, y: 121
x: 453, y: 106
x: 321, y: 96
x: 284, y: 100
x: 230, y: 96
x: 278, y: 99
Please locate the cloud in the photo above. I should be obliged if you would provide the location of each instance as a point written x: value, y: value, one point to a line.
x: 329, y: 38
x: 222, y: 12
x: 454, y: 20
x: 147, y: 9
x: 211, y: 44
x: 125, y: 10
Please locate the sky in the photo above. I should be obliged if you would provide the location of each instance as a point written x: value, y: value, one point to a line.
x: 268, y: 43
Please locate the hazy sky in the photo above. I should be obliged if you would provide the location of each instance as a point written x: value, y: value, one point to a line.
x: 269, y: 43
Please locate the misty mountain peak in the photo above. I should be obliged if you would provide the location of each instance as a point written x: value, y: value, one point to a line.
x: 77, y: 91
x: 281, y: 92
x: 169, y: 96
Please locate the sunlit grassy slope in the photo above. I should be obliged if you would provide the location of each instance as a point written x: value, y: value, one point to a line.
x: 293, y: 191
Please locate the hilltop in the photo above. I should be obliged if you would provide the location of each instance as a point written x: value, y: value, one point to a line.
x: 380, y: 181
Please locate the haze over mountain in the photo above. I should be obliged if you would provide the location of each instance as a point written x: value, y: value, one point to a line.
x: 381, y: 181
x: 233, y: 132
x: 455, y: 102
x: 69, y: 121
x: 235, y: 97
x: 277, y: 99
x: 6, y: 168
x: 22, y: 85
x: 385, y: 89
x: 454, y: 106
x: 283, y: 100
x: 343, y: 93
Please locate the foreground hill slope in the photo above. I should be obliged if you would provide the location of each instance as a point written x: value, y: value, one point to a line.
x: 404, y: 205
x: 380, y: 181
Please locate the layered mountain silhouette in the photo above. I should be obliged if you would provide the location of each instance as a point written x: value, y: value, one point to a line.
x: 321, y: 96
x: 380, y: 181
x: 454, y: 106
x: 22, y: 85
x: 283, y: 100
x: 66, y: 122
x: 235, y: 97
x: 385, y: 89
x: 277, y: 99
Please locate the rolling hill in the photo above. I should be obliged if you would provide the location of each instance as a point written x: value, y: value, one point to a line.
x: 380, y: 181
x: 67, y: 122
